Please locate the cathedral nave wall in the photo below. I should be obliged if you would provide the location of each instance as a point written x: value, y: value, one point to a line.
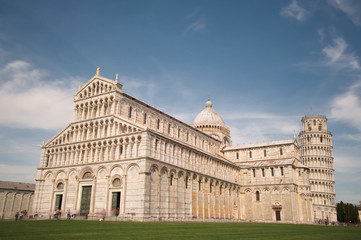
x: 146, y: 116
x: 261, y: 152
x: 178, y: 193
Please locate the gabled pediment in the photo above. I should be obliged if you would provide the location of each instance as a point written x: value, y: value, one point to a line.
x: 75, y: 131
x: 96, y: 86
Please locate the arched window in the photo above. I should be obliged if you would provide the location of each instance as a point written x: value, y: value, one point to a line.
x: 60, y: 186
x: 117, y: 182
x: 171, y: 180
x: 257, y: 196
x: 87, y: 175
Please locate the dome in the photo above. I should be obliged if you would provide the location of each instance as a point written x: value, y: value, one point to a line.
x: 208, y: 116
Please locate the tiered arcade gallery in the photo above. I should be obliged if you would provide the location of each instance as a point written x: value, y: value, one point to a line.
x: 123, y: 159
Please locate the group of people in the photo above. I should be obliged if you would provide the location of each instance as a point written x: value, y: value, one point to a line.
x: 20, y: 216
x: 324, y: 221
x: 69, y: 215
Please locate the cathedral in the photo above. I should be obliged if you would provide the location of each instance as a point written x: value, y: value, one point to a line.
x: 123, y: 159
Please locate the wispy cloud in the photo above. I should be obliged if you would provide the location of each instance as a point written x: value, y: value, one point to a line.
x: 337, y: 56
x: 352, y: 8
x: 27, y: 100
x: 196, y: 26
x: 347, y: 107
x: 321, y: 35
x: 295, y: 11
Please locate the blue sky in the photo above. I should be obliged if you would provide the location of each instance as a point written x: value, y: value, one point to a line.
x: 263, y: 64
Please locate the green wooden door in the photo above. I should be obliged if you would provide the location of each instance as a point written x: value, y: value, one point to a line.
x: 85, y: 200
x: 58, y: 200
x: 115, y: 203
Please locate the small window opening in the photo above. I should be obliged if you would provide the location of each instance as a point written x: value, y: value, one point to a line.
x: 254, y: 172
x: 272, y: 172
x: 156, y: 145
x: 281, y: 151
x: 281, y: 171
x: 262, y: 172
x: 265, y: 153
x: 257, y: 196
x: 130, y: 112
x: 144, y: 118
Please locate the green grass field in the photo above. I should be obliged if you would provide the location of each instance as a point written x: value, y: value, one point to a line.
x: 133, y: 230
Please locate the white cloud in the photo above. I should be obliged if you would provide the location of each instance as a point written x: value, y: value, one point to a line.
x: 337, y: 57
x: 347, y: 107
x: 263, y: 129
x: 18, y: 173
x: 196, y: 26
x: 27, y: 100
x: 352, y: 8
x: 347, y: 163
x: 294, y: 11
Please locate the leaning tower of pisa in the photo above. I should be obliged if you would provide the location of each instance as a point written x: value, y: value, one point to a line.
x: 316, y: 153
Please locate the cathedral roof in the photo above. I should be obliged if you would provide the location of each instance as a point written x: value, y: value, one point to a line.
x: 273, y: 162
x: 17, y: 186
x: 208, y: 116
x: 263, y: 144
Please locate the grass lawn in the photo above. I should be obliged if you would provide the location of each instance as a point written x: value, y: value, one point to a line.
x: 136, y: 230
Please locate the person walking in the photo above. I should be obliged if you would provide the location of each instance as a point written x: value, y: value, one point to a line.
x: 68, y: 217
x: 16, y: 216
x: 21, y: 215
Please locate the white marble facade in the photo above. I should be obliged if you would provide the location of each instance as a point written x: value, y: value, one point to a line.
x: 125, y: 159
